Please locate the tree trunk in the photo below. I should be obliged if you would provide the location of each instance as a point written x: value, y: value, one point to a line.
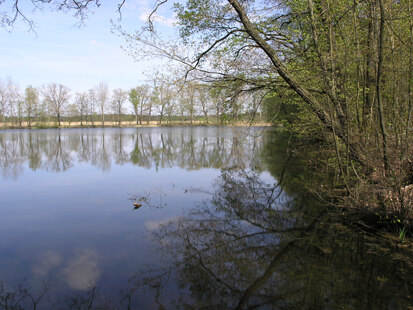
x: 409, y: 89
x: 307, y: 97
x: 378, y: 86
x: 370, y: 67
x: 149, y: 114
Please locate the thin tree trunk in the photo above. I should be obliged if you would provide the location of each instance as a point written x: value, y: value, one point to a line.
x: 103, y: 118
x: 369, y: 78
x: 409, y: 89
x: 149, y: 114
x: 378, y: 87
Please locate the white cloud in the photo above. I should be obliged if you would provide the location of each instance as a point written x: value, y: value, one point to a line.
x: 158, y: 18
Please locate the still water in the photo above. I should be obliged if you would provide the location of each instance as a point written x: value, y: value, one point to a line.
x: 226, y: 221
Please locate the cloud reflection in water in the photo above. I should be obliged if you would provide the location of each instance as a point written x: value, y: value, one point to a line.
x: 46, y: 262
x: 82, y: 271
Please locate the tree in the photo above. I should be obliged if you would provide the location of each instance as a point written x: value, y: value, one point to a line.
x: 92, y: 104
x: 81, y: 103
x: 188, y: 100
x: 15, y: 103
x: 152, y: 101
x: 19, y: 103
x: 134, y: 99
x: 56, y: 96
x: 119, y: 97
x: 139, y: 97
x: 8, y: 98
x: 102, y: 95
x: 162, y: 95
x: 204, y: 100
x: 80, y: 9
x: 31, y: 103
x: 72, y: 112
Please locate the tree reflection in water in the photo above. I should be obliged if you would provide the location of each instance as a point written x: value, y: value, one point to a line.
x: 58, y: 150
x: 250, y: 247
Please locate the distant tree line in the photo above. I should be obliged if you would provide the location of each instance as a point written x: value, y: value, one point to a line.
x: 163, y: 100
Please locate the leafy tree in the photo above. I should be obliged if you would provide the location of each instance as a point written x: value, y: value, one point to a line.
x: 139, y: 97
x: 31, y: 103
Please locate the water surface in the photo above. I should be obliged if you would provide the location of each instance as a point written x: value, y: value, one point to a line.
x: 227, y: 221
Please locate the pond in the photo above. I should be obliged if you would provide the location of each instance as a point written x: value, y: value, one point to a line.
x: 202, y: 217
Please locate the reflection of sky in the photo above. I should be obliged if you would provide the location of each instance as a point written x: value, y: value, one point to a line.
x: 82, y: 270
x: 45, y: 262
x: 80, y: 226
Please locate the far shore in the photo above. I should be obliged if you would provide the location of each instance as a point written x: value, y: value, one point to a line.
x: 110, y: 124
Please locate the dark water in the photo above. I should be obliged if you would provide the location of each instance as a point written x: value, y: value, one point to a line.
x: 227, y: 221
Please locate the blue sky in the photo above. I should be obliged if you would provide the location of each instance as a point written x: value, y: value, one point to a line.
x: 77, y: 57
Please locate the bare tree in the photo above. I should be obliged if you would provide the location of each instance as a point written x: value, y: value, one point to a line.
x: 3, y: 102
x: 151, y: 102
x: 81, y: 102
x: 203, y: 100
x: 92, y: 104
x: 162, y: 95
x: 189, y: 100
x: 102, y: 96
x: 118, y: 99
x: 56, y: 96
x: 15, y: 104
x: 16, y: 10
x: 8, y: 93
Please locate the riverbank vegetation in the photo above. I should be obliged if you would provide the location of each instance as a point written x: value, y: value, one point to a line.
x: 339, y: 71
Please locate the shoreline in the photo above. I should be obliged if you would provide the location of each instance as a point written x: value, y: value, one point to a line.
x: 129, y: 124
